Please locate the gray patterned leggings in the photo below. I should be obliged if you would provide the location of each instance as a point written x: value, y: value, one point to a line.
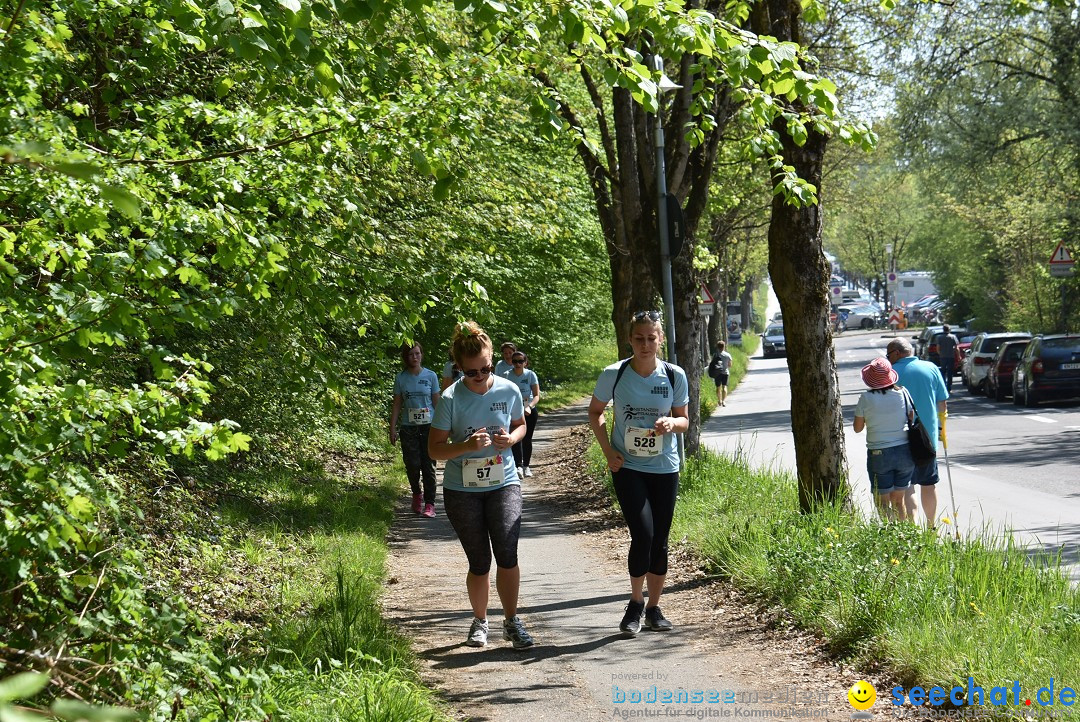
x: 486, y: 522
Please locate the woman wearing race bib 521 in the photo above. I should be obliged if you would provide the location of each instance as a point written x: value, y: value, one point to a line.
x: 416, y: 393
x: 478, y: 419
x: 650, y: 402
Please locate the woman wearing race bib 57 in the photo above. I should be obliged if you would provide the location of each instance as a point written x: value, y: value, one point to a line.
x: 650, y: 404
x: 478, y: 419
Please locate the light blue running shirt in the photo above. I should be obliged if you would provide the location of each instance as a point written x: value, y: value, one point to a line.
x: 415, y: 391
x: 638, y: 404
x: 463, y: 413
x: 502, y: 367
x: 525, y: 382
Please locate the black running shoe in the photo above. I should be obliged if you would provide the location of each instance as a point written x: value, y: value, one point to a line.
x: 654, y: 620
x: 631, y: 621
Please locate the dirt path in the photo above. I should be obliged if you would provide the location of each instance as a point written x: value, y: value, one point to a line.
x: 574, y: 588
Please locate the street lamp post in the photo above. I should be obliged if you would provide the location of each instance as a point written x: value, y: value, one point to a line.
x: 661, y: 212
x: 888, y: 270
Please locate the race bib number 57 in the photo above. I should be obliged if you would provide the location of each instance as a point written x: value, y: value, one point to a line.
x: 488, y: 471
x: 642, y: 442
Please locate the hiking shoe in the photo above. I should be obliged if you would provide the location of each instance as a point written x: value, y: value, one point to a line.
x: 429, y: 511
x: 528, y: 471
x: 514, y: 631
x: 477, y: 633
x: 417, y: 503
x: 631, y: 621
x: 654, y: 620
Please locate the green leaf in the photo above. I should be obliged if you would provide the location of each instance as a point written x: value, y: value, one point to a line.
x: 11, y: 714
x: 292, y: 5
x: 122, y: 200
x: 81, y: 170
x: 22, y: 686
x: 69, y: 709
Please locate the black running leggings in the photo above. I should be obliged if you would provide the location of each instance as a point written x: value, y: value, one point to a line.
x: 486, y: 522
x: 523, y: 449
x: 648, y: 505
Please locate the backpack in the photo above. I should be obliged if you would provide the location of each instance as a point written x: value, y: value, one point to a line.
x: 714, y: 367
x: 668, y: 369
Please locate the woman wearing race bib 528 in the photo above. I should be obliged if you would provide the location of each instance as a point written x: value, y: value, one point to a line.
x: 650, y: 403
x: 478, y: 419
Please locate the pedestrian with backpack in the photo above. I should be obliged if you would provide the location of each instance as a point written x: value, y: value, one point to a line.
x: 719, y: 368
x: 650, y: 399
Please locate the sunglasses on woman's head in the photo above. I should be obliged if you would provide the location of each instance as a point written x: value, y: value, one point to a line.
x: 482, y: 371
x: 651, y: 315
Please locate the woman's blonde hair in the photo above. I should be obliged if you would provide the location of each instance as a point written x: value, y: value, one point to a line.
x: 469, y: 340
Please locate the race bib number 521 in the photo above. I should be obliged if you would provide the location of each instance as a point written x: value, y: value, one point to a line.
x: 420, y: 416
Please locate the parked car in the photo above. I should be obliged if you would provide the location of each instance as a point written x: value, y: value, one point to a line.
x: 1049, y: 367
x: 1000, y: 375
x: 859, y: 316
x: 772, y: 341
x: 983, y: 349
x: 922, y: 341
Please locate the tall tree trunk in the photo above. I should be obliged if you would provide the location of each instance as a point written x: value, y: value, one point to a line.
x: 800, y: 277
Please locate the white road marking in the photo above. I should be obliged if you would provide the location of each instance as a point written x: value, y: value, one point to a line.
x: 969, y: 468
x: 1041, y: 419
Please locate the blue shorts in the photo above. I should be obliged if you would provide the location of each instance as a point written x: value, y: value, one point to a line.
x: 926, y: 475
x: 890, y: 469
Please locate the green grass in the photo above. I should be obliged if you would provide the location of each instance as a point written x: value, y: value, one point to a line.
x: 886, y: 596
x: 579, y: 380
x: 306, y: 539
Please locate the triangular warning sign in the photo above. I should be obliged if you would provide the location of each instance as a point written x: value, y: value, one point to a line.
x: 1061, y: 254
x: 704, y: 296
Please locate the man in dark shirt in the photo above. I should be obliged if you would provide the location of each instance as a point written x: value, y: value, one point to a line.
x: 947, y: 343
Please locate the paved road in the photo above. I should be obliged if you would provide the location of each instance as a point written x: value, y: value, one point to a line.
x: 1011, y: 467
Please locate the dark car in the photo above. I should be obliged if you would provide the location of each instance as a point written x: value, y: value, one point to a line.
x: 772, y: 341
x: 1049, y: 367
x: 922, y: 342
x: 999, y: 377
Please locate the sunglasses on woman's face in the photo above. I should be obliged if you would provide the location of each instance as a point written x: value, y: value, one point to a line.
x: 519, y: 361
x: 482, y: 371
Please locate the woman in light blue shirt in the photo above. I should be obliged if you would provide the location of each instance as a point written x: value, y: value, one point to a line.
x: 529, y: 386
x: 885, y: 411
x: 650, y: 399
x: 416, y: 392
x: 478, y: 419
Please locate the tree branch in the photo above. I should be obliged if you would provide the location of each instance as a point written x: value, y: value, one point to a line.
x: 232, y: 153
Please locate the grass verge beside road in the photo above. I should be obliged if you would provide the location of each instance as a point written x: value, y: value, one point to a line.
x: 578, y: 381
x: 890, y: 597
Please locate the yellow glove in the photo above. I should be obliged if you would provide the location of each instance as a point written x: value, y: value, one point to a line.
x: 942, y: 415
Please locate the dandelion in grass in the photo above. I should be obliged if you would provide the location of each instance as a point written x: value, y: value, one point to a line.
x: 976, y: 608
x: 895, y: 562
x: 946, y: 520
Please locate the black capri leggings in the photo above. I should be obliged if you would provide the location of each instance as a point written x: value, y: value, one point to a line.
x: 523, y: 449
x: 486, y: 522
x: 648, y: 504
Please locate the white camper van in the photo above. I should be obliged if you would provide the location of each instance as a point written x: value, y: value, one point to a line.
x: 913, y: 285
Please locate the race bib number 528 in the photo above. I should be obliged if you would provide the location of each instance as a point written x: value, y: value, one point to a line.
x: 642, y: 442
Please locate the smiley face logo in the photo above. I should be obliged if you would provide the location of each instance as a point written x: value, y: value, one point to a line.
x: 862, y: 695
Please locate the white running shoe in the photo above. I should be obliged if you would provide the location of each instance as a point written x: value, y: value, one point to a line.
x: 514, y: 631
x: 520, y: 472
x: 528, y: 471
x: 477, y: 633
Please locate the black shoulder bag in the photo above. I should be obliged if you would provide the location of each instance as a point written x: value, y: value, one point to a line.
x: 923, y: 449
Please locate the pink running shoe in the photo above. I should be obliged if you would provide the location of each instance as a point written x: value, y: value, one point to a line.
x: 429, y: 511
x: 417, y: 503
